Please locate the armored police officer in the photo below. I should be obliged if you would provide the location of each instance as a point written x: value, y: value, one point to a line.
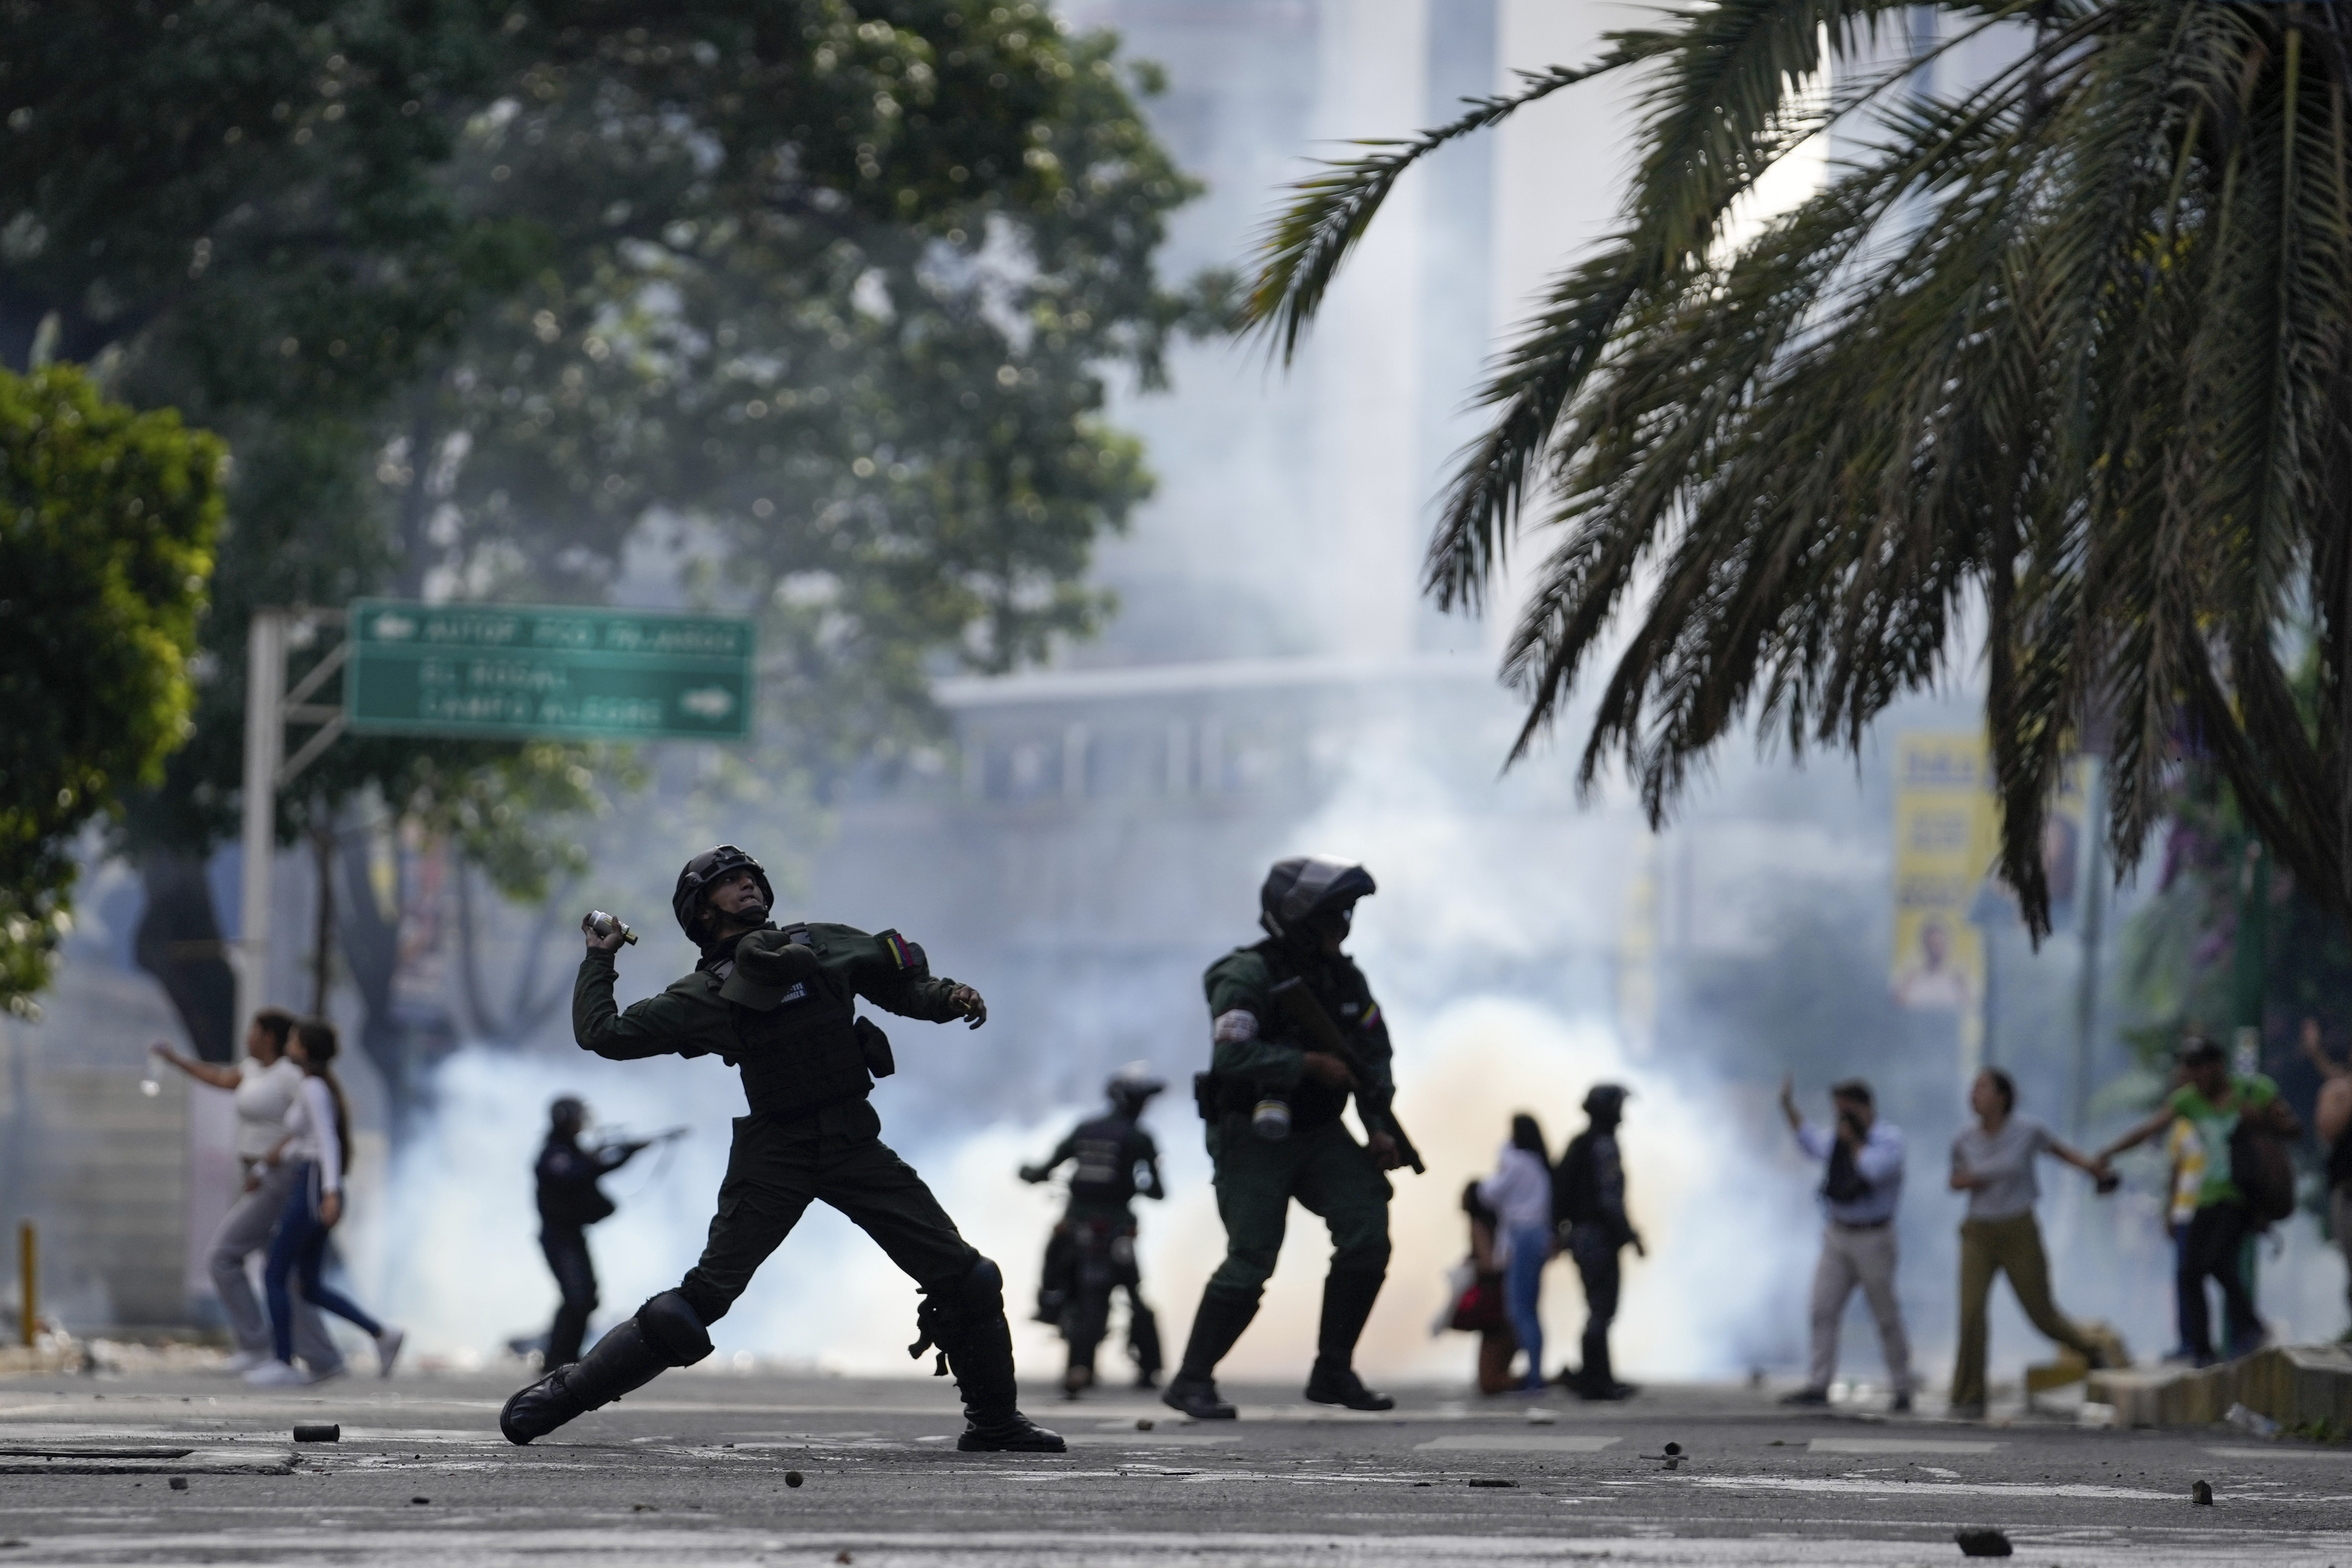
x: 1295, y: 1032
x: 1588, y: 1205
x: 781, y: 1006
x: 570, y: 1201
x: 1092, y: 1251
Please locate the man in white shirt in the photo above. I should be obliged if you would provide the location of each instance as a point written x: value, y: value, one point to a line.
x: 1862, y: 1186
x: 264, y: 1082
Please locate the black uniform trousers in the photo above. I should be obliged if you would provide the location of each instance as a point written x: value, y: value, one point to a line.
x: 780, y: 1166
x: 566, y: 1246
x: 1598, y: 1270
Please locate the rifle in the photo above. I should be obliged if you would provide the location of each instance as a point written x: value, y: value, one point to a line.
x: 1307, y: 1014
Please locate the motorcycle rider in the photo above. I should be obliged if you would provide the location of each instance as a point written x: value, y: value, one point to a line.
x: 1092, y: 1251
x: 1272, y: 1100
x: 780, y: 1005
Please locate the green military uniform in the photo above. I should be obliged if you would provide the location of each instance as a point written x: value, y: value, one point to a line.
x: 1320, y: 1163
x: 807, y: 1069
x: 1258, y: 1054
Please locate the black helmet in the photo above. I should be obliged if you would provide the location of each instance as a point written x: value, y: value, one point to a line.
x: 1304, y: 886
x: 1606, y: 1101
x: 1131, y: 1088
x: 706, y: 868
x: 567, y: 1114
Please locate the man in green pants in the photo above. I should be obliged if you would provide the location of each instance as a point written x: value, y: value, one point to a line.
x: 781, y: 1005
x: 1272, y: 1100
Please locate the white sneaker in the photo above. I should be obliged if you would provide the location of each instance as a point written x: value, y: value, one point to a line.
x: 324, y: 1374
x: 274, y: 1374
x: 244, y: 1362
x: 387, y: 1350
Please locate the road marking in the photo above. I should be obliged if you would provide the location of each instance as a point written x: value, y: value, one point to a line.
x: 1894, y: 1446
x: 1143, y: 1440
x: 104, y: 1461
x: 2338, y: 1456
x: 1518, y: 1442
x: 654, y: 1547
x: 1929, y: 1488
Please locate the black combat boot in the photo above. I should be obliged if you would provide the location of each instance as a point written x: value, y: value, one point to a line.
x: 1348, y: 1298
x: 1143, y: 1343
x: 623, y: 1361
x: 1215, y: 1327
x: 965, y: 1317
x: 981, y: 1359
x: 1597, y: 1380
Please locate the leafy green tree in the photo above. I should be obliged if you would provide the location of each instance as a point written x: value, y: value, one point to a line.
x: 107, y: 524
x: 2065, y: 348
x: 476, y: 291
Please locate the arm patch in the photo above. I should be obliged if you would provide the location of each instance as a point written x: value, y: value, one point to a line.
x: 1234, y: 1026
x: 907, y: 955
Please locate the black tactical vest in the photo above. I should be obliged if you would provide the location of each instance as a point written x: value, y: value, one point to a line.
x: 1313, y: 1103
x: 1104, y: 1174
x: 805, y: 1053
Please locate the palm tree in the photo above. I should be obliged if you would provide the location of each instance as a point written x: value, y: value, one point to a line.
x: 2058, y: 361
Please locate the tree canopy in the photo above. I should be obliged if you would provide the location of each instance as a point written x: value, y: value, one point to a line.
x: 2064, y: 347
x: 811, y: 300
x: 107, y: 524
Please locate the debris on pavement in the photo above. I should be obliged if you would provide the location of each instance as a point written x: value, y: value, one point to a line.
x: 1982, y: 1543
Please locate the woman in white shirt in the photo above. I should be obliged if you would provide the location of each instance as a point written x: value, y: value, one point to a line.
x: 264, y: 1082
x: 1519, y: 1192
x: 318, y: 1130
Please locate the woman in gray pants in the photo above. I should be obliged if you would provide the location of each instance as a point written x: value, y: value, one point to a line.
x: 265, y: 1084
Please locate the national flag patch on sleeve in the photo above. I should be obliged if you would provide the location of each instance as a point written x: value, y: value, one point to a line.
x: 1372, y: 1018
x: 903, y: 954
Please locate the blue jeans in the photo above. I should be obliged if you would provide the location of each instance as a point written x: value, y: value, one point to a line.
x: 1522, y: 1288
x: 296, y: 1252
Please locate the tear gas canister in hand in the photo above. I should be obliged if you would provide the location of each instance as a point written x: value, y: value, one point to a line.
x: 602, y: 926
x: 1271, y: 1120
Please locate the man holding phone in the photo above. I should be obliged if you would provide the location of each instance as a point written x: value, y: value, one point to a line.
x: 1861, y: 1185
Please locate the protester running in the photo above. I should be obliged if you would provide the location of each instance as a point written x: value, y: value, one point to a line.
x: 2229, y: 1110
x: 263, y: 1082
x: 1993, y: 1162
x: 318, y: 1131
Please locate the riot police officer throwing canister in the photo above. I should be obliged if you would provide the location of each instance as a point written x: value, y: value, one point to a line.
x: 1295, y: 1033
x: 1092, y: 1251
x: 779, y: 1004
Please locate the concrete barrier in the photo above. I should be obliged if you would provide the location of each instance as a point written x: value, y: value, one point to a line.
x: 2295, y: 1385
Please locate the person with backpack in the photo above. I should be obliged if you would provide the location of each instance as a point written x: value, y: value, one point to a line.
x: 318, y: 1131
x: 2332, y: 1120
x: 2247, y: 1185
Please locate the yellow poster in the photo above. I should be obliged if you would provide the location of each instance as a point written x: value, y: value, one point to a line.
x: 1945, y: 835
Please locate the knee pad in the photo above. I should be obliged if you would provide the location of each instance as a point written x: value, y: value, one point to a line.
x: 981, y: 1293
x: 672, y: 1327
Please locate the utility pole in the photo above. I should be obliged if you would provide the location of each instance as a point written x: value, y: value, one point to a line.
x: 269, y: 708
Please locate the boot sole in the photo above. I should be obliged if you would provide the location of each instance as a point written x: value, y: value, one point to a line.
x: 968, y: 1444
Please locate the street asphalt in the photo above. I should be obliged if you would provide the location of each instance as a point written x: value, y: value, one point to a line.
x: 701, y: 1467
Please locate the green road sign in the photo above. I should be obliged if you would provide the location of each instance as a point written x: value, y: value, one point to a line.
x: 522, y: 671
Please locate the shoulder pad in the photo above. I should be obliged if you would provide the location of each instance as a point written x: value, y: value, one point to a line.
x: 1244, y: 965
